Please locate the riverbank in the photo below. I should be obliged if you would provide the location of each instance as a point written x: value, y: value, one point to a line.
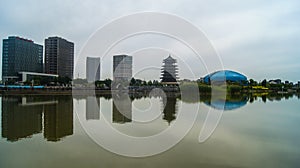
x: 203, y: 90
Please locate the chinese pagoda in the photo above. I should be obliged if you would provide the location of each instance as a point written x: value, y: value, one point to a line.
x: 169, y: 71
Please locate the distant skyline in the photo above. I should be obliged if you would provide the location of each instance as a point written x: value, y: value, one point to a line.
x: 258, y: 39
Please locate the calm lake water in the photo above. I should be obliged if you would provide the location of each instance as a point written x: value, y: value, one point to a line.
x: 254, y: 131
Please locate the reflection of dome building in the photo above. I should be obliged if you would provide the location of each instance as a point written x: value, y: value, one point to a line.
x: 230, y: 103
x: 220, y: 76
x: 226, y: 105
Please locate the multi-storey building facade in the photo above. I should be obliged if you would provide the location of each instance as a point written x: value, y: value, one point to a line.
x: 20, y: 54
x: 122, y: 68
x: 59, y: 57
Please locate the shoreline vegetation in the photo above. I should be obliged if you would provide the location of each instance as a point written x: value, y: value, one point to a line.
x: 229, y: 93
x: 236, y: 98
x: 107, y: 86
x: 204, y: 89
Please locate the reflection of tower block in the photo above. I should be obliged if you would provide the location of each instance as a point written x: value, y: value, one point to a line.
x: 92, y: 108
x: 170, y: 109
x: 58, y: 119
x: 20, y: 121
x: 122, y: 109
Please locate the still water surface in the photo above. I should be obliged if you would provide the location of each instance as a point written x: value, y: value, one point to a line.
x: 254, y: 131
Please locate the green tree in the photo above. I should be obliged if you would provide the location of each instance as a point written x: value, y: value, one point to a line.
x: 108, y: 82
x: 62, y: 80
x: 46, y: 80
x: 37, y: 80
x: 138, y: 82
x: 252, y: 82
x: 155, y: 83
x: 264, y: 83
x: 144, y: 83
x: 132, y: 82
x: 149, y: 83
x: 27, y: 82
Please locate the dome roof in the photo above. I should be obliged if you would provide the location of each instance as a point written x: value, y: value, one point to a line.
x: 224, y: 74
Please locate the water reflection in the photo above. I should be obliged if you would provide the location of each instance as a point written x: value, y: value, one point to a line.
x: 122, y: 108
x: 265, y: 97
x: 22, y: 117
x: 25, y: 116
x: 58, y: 119
x: 170, y: 108
x: 92, y: 108
x: 122, y: 103
x: 231, y: 102
x: 19, y: 121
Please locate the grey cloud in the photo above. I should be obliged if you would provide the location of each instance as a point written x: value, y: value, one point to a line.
x: 243, y: 32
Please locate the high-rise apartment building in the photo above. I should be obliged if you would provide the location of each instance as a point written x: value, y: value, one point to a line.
x: 19, y: 54
x: 59, y: 57
x: 92, y: 69
x: 122, y: 67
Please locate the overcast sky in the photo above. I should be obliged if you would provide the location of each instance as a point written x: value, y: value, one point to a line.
x: 260, y: 39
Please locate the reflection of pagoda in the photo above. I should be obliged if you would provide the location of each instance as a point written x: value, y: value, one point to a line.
x: 170, y: 109
x: 169, y: 71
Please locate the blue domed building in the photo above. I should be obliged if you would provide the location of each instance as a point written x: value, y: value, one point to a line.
x: 229, y: 76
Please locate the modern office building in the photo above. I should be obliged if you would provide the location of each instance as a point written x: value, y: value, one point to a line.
x: 18, y: 55
x: 59, y: 57
x: 169, y: 71
x: 92, y: 69
x: 122, y: 68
